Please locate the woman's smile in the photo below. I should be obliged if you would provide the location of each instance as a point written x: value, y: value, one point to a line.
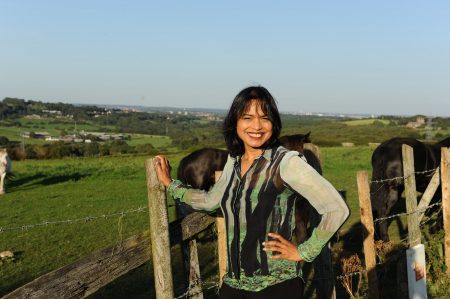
x: 254, y: 127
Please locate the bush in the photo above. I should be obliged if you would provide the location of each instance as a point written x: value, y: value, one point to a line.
x: 145, y: 149
x: 4, y: 141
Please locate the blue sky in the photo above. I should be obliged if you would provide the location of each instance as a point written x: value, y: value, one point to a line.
x: 380, y: 57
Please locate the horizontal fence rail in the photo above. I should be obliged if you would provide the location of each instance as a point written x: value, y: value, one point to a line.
x: 89, y: 274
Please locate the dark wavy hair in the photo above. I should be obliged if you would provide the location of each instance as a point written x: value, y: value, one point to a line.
x: 240, y: 105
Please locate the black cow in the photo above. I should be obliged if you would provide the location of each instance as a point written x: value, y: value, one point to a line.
x: 387, y: 164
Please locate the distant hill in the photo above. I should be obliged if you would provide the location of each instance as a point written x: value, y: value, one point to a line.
x: 161, y: 109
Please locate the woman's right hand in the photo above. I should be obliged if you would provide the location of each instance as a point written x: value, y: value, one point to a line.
x: 163, y: 170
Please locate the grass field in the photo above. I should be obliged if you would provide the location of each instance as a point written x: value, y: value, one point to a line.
x: 363, y: 122
x: 59, y: 190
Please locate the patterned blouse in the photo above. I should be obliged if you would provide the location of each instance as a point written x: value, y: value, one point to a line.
x: 262, y: 201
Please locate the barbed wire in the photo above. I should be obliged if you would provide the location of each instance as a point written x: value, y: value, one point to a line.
x: 407, y: 213
x: 195, y: 285
x: 404, y: 177
x: 73, y: 220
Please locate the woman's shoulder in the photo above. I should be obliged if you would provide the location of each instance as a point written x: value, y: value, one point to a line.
x: 281, y: 150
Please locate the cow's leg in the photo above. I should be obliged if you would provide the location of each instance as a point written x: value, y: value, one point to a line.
x: 391, y: 199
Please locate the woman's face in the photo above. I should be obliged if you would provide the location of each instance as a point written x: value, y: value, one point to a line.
x: 254, y: 127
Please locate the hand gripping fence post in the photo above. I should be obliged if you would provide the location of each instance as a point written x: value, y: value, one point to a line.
x: 159, y: 233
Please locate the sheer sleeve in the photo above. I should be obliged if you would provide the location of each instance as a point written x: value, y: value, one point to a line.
x: 303, y: 179
x: 200, y: 199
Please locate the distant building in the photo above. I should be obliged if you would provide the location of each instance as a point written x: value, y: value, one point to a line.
x: 420, y: 121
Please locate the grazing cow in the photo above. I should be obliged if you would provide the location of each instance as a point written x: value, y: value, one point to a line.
x: 387, y: 164
x: 5, y: 168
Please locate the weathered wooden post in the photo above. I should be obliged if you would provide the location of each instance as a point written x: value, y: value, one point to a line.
x: 415, y: 255
x: 159, y: 233
x: 365, y: 210
x: 445, y: 179
x: 221, y: 240
x: 195, y: 280
x: 411, y: 195
x: 429, y: 193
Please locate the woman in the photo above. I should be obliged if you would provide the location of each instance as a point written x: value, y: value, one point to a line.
x: 257, y: 191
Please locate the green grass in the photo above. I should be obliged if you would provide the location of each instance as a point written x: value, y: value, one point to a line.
x: 52, y: 190
x: 57, y: 190
x: 364, y: 122
x: 155, y: 140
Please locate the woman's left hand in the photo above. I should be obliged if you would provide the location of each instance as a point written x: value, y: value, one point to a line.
x: 287, y: 249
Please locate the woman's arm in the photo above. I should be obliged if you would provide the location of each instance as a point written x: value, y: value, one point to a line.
x: 198, y: 199
x: 302, y: 178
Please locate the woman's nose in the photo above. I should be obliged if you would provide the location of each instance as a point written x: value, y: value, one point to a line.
x: 257, y: 124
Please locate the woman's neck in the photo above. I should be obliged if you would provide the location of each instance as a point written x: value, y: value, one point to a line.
x: 250, y: 154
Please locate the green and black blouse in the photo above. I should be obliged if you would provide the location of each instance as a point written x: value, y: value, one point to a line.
x: 262, y: 201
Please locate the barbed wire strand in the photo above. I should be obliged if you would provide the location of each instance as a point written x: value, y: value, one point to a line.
x: 195, y: 285
x: 73, y: 220
x: 408, y: 213
x: 404, y: 177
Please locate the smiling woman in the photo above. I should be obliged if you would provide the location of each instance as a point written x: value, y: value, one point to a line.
x: 257, y: 191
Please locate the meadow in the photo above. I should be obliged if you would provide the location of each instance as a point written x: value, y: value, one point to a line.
x: 73, y: 188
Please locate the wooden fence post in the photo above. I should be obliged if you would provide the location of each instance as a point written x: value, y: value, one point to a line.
x: 445, y: 179
x: 365, y: 210
x: 159, y: 233
x: 221, y: 240
x: 429, y: 193
x: 414, y: 236
x: 195, y: 279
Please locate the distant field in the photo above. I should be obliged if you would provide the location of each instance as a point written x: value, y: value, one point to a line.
x: 54, y: 129
x: 363, y: 122
x: 155, y: 140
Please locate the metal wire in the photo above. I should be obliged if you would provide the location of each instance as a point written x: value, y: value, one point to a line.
x: 194, y: 285
x: 70, y: 221
x: 407, y: 213
x: 404, y: 177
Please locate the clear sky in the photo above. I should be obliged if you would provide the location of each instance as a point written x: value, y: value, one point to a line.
x: 380, y: 57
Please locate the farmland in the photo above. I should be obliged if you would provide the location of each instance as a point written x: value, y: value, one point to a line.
x: 72, y: 188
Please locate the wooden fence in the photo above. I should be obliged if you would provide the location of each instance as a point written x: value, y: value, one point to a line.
x: 89, y: 274
x: 414, y: 213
